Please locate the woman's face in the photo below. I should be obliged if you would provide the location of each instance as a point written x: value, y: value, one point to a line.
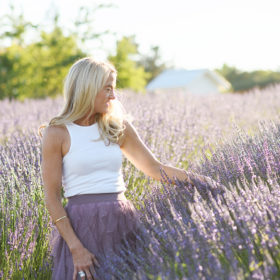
x: 104, y: 96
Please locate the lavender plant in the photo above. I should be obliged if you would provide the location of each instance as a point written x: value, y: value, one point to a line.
x: 200, y: 231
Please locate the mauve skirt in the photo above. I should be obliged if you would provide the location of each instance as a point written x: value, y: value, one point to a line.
x: 100, y: 221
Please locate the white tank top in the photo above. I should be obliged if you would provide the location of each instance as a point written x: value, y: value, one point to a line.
x: 91, y: 167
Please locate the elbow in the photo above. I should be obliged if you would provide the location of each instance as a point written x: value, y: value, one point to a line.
x: 51, y: 199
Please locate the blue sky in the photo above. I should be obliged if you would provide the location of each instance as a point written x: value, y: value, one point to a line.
x: 191, y: 34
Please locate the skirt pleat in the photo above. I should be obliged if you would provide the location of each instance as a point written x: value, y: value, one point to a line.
x: 102, y: 222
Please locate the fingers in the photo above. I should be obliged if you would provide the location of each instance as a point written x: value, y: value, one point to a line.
x: 88, y: 270
x: 75, y: 274
x: 92, y: 271
x: 89, y: 274
x: 95, y: 260
x: 84, y: 263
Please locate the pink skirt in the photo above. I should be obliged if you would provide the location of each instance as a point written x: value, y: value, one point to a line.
x: 101, y: 222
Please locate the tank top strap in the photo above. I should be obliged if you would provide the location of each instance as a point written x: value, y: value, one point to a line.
x: 75, y: 137
x: 69, y: 128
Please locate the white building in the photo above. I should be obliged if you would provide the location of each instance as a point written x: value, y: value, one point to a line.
x: 198, y: 81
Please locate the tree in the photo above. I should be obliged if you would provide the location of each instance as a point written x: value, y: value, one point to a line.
x: 37, y: 70
x: 129, y: 74
x: 152, y: 63
x: 11, y: 70
x: 83, y: 25
x: 50, y: 60
x: 244, y: 81
x: 14, y: 26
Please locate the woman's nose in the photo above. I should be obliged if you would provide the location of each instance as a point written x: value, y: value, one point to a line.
x: 112, y: 95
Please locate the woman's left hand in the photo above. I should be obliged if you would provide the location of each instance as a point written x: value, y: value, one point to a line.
x: 205, y: 179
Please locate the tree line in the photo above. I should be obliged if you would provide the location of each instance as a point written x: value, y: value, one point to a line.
x: 242, y: 81
x: 36, y: 68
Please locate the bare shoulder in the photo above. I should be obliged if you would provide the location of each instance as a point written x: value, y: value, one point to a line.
x: 54, y: 135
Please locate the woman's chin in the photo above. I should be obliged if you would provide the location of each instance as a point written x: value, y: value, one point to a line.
x: 106, y: 110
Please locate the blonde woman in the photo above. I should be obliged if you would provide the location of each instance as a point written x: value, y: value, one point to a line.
x: 82, y: 151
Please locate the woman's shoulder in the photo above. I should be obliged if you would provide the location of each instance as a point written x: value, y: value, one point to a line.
x: 55, y: 133
x: 55, y: 129
x: 129, y: 131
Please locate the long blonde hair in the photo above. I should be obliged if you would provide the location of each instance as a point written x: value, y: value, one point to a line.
x: 84, y: 80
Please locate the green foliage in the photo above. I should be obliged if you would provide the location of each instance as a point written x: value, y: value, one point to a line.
x: 129, y: 74
x: 152, y: 63
x: 38, y: 69
x: 83, y: 25
x: 52, y: 56
x: 17, y: 26
x: 11, y: 70
x: 243, y: 81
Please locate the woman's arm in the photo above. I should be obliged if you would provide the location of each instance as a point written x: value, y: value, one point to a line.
x: 142, y: 158
x: 51, y: 169
x: 83, y: 259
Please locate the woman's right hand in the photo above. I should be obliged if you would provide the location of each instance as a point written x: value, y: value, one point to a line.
x: 84, y: 260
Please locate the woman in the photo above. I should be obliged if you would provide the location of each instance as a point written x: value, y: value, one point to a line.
x: 82, y: 150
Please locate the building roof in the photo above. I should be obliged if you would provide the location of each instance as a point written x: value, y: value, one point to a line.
x: 173, y: 78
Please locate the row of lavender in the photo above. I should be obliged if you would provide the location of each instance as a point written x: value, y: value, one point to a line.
x: 188, y: 233
x: 204, y: 232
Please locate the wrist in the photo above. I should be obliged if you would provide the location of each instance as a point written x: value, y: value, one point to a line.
x: 74, y: 246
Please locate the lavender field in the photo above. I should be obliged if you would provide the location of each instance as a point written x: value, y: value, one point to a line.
x: 189, y: 232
